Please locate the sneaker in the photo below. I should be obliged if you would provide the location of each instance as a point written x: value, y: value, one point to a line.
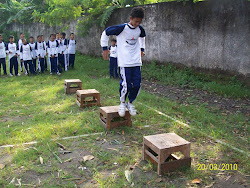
x: 11, y: 75
x: 122, y: 110
x: 18, y: 74
x: 51, y: 73
x: 58, y: 73
x: 131, y: 109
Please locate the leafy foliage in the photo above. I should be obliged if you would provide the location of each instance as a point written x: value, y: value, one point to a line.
x: 61, y: 12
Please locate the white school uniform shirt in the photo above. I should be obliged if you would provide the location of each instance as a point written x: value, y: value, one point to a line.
x: 20, y: 43
x: 59, y: 47
x: 113, y: 51
x: 130, y: 43
x: 26, y: 52
x: 52, y: 48
x: 40, y: 49
x: 71, y: 46
x: 33, y: 45
x: 63, y: 46
x: 2, y: 50
x: 45, y: 45
x: 12, y: 47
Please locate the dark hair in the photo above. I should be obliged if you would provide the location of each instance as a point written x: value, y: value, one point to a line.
x: 41, y: 35
x: 71, y: 33
x: 38, y: 36
x: 11, y: 37
x: 63, y: 34
x: 137, y: 12
x: 31, y: 37
x: 52, y: 35
x: 21, y: 33
x: 57, y: 33
x: 113, y: 40
x: 1, y: 35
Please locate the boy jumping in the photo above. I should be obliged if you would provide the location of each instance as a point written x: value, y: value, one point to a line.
x: 130, y: 48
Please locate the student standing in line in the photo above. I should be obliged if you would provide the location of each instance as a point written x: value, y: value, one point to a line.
x: 62, y: 52
x: 46, y: 54
x: 41, y: 53
x: 113, y: 60
x: 53, y: 53
x: 72, y: 50
x: 12, y: 51
x: 26, y: 57
x: 2, y: 55
x: 32, y: 45
x: 20, y: 42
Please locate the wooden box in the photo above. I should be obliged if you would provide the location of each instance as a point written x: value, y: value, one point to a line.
x: 82, y: 95
x: 159, y: 150
x: 110, y: 118
x: 69, y: 89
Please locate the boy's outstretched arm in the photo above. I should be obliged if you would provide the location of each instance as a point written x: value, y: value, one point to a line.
x: 112, y: 30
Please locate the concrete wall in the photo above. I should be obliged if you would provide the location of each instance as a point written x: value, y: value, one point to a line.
x: 208, y: 35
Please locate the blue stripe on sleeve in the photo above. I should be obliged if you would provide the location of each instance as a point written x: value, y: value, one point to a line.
x: 115, y: 30
x: 143, y: 33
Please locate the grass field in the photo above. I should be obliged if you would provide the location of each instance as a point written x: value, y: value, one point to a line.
x: 35, y: 108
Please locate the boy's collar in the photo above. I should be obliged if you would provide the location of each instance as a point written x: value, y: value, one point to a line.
x: 130, y: 26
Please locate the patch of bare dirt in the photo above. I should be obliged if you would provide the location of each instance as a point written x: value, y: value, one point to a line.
x: 196, y: 96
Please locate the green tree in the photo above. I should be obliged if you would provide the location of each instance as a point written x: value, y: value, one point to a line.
x: 14, y: 11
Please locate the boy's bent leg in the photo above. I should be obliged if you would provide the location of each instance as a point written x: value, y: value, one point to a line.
x: 125, y: 83
x: 136, y: 80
